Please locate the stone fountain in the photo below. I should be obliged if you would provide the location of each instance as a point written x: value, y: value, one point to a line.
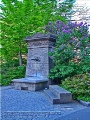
x: 38, y: 63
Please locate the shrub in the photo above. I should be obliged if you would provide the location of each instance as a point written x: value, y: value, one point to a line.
x: 79, y: 86
x: 9, y: 73
x: 71, y: 54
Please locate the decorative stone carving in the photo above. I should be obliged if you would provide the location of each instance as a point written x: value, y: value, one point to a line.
x: 41, y: 44
x: 41, y: 36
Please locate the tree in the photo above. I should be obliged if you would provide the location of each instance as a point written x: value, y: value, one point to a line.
x: 22, y: 18
x: 65, y: 8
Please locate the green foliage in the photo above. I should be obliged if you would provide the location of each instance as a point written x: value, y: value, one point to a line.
x: 79, y: 86
x: 18, y: 20
x: 22, y: 18
x: 9, y: 72
x: 71, y: 54
x: 65, y: 8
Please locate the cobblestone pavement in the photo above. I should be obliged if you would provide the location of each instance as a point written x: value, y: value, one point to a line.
x: 27, y: 105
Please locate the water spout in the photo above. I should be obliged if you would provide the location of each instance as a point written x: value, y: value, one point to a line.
x: 38, y: 75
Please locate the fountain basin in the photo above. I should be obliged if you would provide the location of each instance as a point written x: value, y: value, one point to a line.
x: 31, y: 83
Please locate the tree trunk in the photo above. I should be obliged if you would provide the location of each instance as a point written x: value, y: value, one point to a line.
x: 20, y: 58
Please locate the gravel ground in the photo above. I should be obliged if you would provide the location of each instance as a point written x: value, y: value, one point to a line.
x: 26, y: 105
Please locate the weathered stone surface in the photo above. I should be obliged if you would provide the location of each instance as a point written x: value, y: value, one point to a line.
x: 38, y: 63
x: 38, y: 47
x: 32, y: 83
x: 41, y: 66
x: 41, y: 36
x: 58, y: 95
x: 40, y: 44
x: 64, y: 95
x: 84, y: 103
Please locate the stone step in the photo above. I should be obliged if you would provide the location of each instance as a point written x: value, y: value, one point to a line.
x: 53, y: 98
x: 57, y: 90
x: 64, y: 95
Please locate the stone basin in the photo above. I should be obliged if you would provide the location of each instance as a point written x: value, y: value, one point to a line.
x: 31, y: 83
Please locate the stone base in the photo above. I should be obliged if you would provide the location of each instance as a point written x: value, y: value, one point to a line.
x: 31, y: 83
x: 58, y: 95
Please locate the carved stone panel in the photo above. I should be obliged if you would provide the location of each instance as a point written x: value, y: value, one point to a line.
x: 41, y: 43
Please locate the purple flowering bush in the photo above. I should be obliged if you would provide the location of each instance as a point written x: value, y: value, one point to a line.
x: 71, y: 54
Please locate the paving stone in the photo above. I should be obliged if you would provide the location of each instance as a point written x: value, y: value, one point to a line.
x: 29, y: 104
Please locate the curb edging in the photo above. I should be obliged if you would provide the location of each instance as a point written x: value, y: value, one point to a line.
x: 87, y: 104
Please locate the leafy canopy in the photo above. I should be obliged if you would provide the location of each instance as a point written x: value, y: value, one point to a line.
x: 22, y: 18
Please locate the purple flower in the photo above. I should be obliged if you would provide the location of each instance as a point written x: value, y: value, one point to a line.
x: 69, y: 23
x: 62, y: 46
x: 65, y: 26
x: 79, y: 45
x: 85, y: 49
x: 58, y: 32
x: 73, y: 41
x: 86, y: 35
x: 50, y: 23
x: 58, y: 21
x: 84, y: 54
x: 74, y: 38
x: 73, y: 25
x: 67, y: 31
x: 82, y: 38
x: 51, y: 57
x: 53, y: 47
x: 85, y: 23
x: 80, y: 24
x: 64, y: 30
x: 52, y: 50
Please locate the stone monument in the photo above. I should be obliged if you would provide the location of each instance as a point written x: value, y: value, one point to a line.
x: 38, y: 63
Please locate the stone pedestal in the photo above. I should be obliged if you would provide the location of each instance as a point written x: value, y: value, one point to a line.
x: 38, y: 62
x: 38, y: 48
x: 31, y: 83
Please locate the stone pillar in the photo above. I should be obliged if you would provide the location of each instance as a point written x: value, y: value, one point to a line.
x: 38, y: 62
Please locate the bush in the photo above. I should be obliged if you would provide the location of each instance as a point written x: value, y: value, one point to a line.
x: 79, y: 86
x: 71, y: 54
x: 9, y: 73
